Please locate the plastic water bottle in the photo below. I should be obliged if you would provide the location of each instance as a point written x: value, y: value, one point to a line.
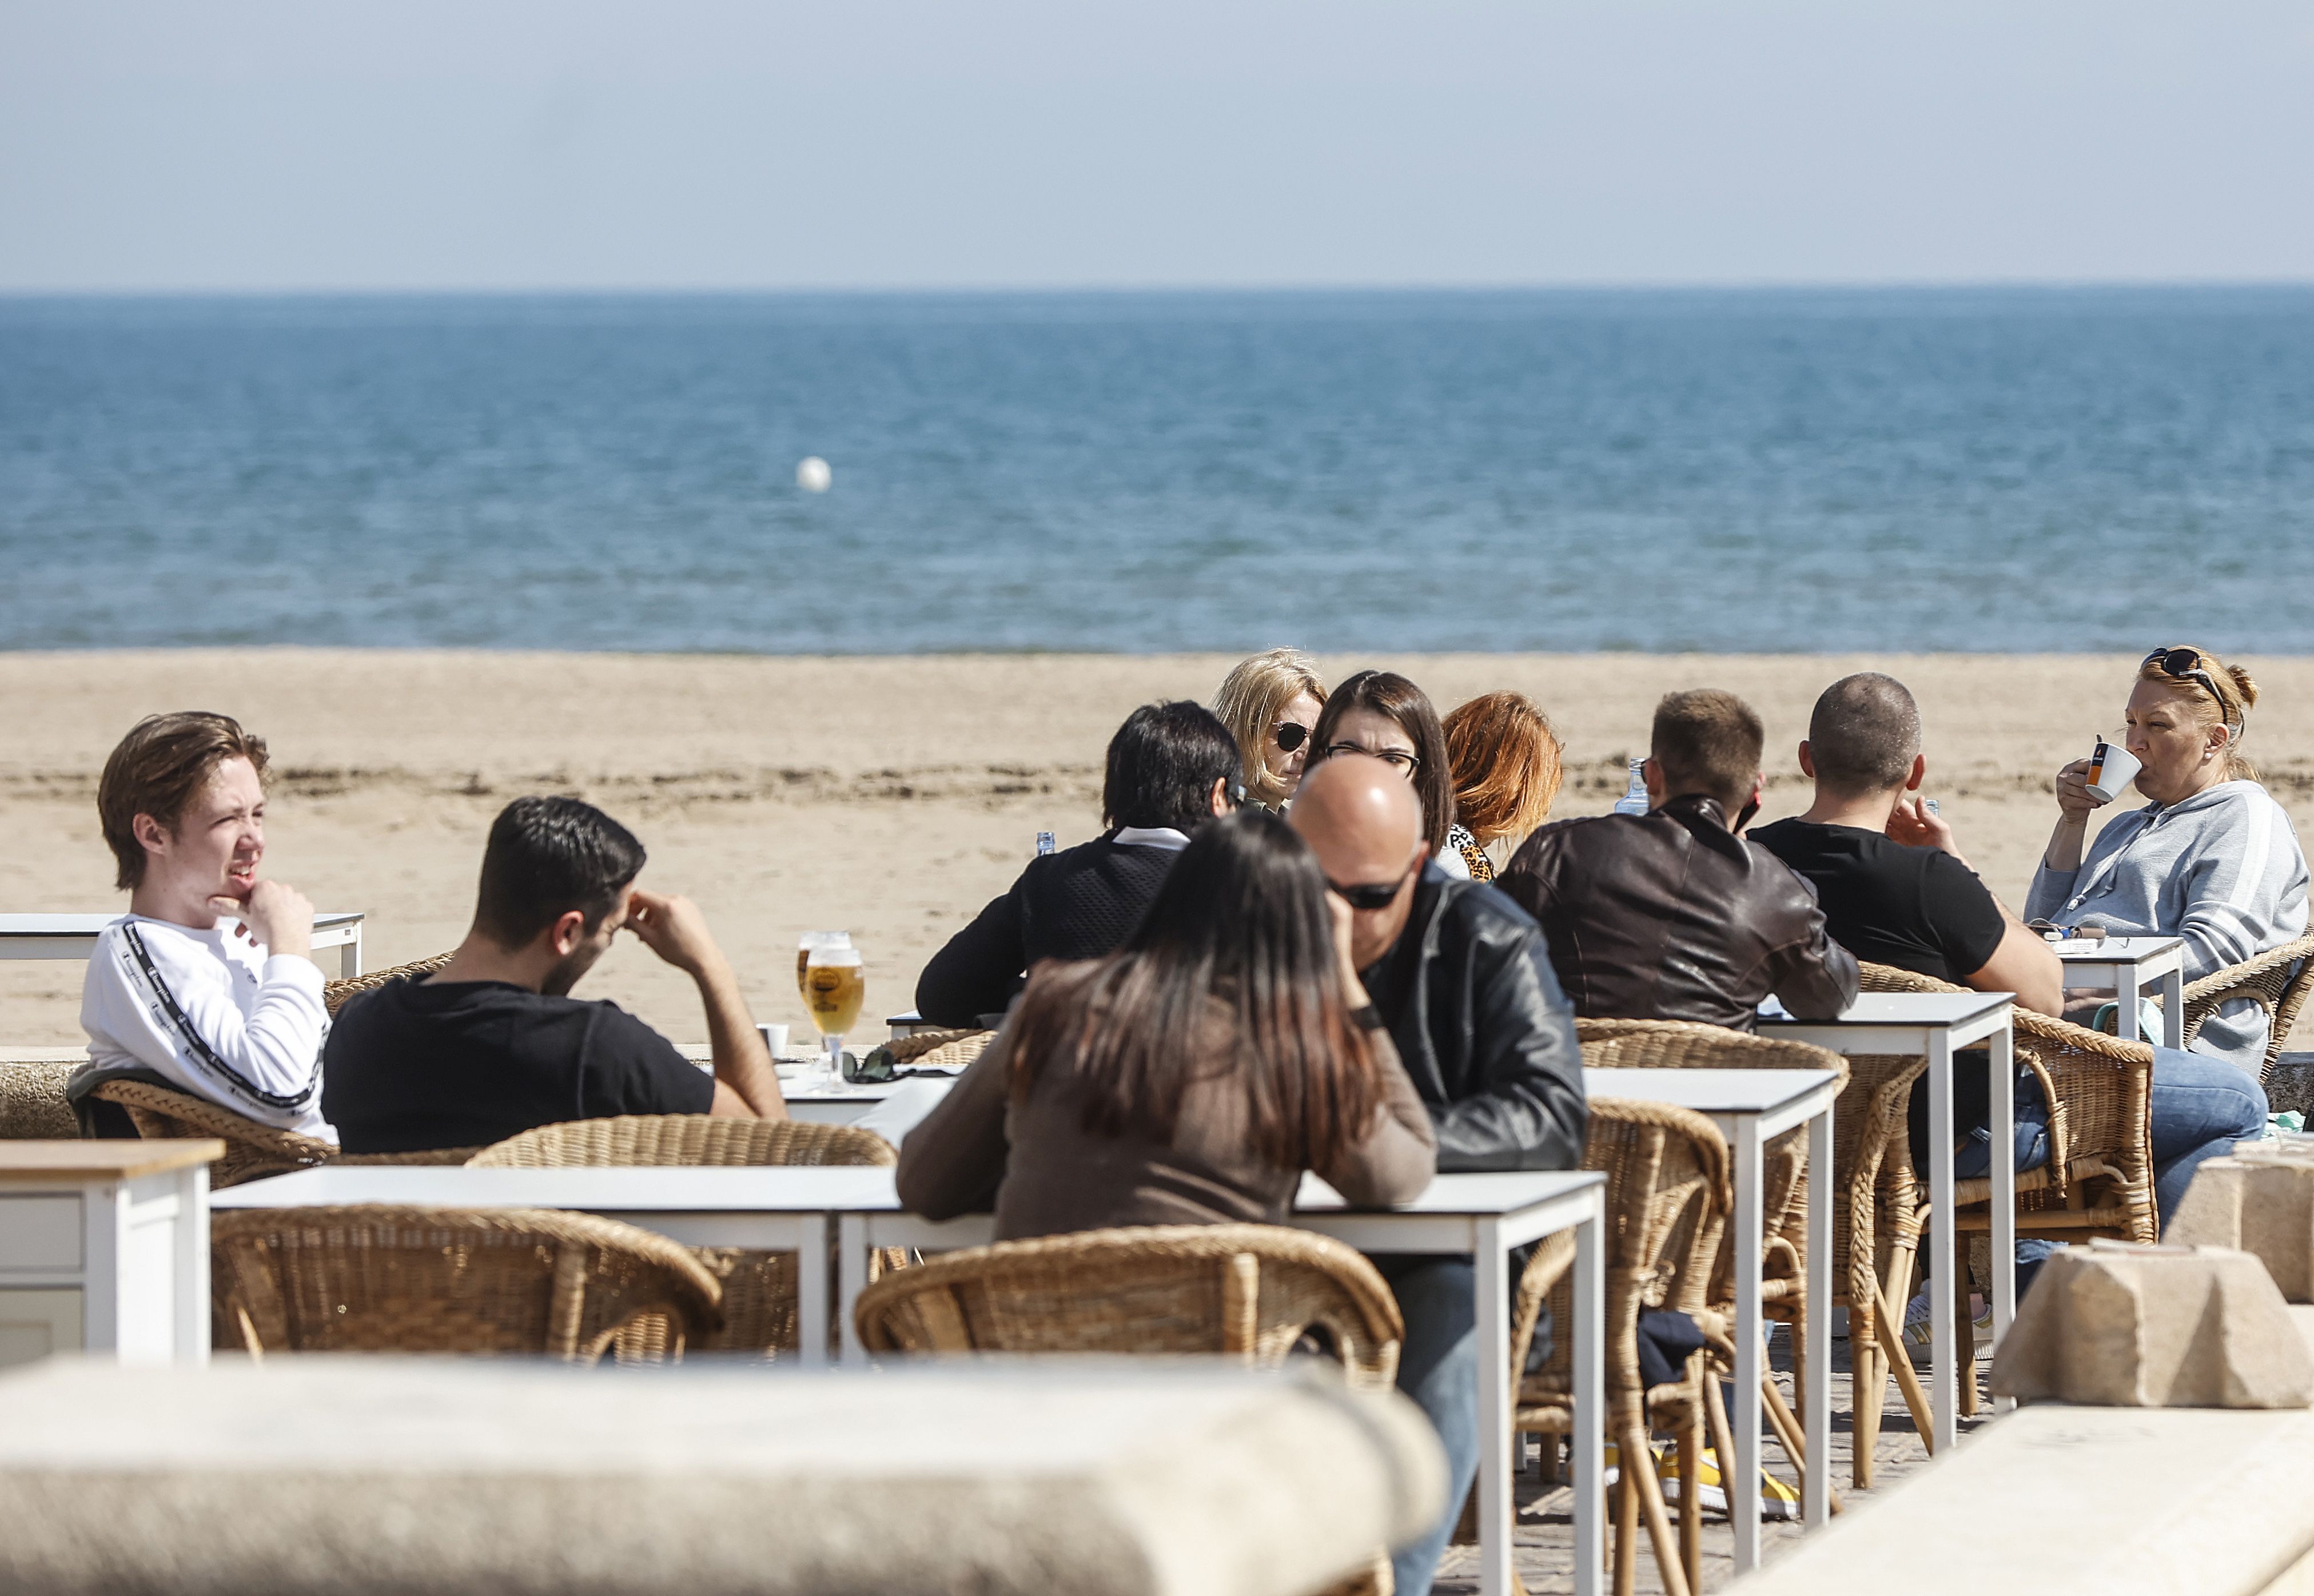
x: 1634, y: 800
x: 1045, y: 844
x: 1932, y: 806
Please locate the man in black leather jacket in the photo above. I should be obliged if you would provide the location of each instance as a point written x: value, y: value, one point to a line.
x: 1461, y: 978
x: 1672, y: 914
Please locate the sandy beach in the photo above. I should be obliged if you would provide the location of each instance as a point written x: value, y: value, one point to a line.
x: 891, y: 796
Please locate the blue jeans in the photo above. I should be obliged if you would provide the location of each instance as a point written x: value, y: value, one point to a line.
x: 1438, y: 1372
x: 2200, y: 1107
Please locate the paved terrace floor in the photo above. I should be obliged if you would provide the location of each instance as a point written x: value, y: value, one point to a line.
x: 1546, y: 1536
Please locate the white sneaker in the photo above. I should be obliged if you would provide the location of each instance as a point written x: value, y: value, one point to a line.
x: 1918, y: 1344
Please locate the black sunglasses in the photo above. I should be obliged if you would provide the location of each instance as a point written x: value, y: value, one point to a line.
x: 1371, y: 894
x: 1290, y: 735
x: 2185, y: 665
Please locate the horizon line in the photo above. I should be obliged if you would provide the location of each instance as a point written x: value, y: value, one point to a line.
x: 992, y: 290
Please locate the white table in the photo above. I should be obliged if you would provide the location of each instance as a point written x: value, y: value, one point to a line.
x: 770, y: 1208
x: 1935, y: 1025
x: 1750, y: 1107
x: 1481, y: 1216
x: 73, y: 937
x: 826, y: 1103
x: 2126, y: 966
x: 104, y: 1248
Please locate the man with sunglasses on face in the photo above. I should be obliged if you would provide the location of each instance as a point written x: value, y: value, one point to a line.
x: 1461, y: 978
x: 1673, y: 914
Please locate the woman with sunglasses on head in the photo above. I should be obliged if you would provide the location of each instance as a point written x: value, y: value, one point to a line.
x: 1190, y: 1077
x: 1382, y: 714
x: 1269, y: 702
x: 2210, y: 858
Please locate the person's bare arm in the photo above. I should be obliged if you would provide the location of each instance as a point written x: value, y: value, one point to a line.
x: 747, y: 1086
x: 2064, y: 854
x: 2027, y: 965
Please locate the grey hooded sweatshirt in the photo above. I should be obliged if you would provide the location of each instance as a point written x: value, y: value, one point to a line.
x: 2222, y: 868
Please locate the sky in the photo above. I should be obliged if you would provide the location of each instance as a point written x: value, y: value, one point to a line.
x: 252, y: 145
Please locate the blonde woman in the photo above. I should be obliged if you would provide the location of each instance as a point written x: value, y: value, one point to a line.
x: 1270, y: 702
x: 2210, y: 858
x: 1505, y: 761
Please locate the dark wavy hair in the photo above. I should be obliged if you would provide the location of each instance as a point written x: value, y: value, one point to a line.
x: 1386, y: 692
x: 1162, y: 764
x: 1239, y: 931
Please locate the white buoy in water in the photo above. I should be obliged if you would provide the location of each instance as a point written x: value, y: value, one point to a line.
x: 812, y: 474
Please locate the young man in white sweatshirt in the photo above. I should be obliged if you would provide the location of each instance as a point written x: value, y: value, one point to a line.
x: 208, y: 984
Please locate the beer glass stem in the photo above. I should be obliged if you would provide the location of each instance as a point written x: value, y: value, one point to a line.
x: 835, y: 1054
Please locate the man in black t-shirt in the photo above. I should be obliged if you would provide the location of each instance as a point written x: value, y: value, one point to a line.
x: 492, y: 1043
x: 1896, y: 891
x: 1893, y: 884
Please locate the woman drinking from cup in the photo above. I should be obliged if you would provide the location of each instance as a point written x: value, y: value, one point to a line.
x: 2210, y: 858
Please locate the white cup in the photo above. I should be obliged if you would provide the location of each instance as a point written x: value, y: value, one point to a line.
x: 2112, y: 768
x: 775, y: 1038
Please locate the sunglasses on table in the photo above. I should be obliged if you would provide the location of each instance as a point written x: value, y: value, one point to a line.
x: 2185, y: 665
x: 1397, y: 759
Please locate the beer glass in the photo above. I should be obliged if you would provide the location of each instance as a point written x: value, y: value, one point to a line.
x: 806, y: 943
x: 835, y: 985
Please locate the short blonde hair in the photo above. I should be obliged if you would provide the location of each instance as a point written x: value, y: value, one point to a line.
x: 1252, y: 696
x: 2229, y: 706
x: 1508, y: 763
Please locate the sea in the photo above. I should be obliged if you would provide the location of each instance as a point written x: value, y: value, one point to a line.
x: 1786, y: 470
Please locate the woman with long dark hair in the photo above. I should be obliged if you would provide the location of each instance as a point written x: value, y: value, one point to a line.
x: 1190, y: 1077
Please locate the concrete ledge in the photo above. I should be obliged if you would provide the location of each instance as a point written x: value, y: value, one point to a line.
x: 361, y: 1476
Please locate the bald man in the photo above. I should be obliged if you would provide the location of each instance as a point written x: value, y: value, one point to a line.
x: 1461, y: 978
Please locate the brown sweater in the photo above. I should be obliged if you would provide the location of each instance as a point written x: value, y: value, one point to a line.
x: 1043, y: 1172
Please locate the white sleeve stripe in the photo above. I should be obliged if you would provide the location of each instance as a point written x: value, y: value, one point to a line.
x: 2266, y: 813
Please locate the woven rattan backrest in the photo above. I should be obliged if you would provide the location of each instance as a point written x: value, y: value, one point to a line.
x: 251, y: 1150
x: 2276, y: 981
x: 1683, y: 1044
x: 669, y: 1140
x: 1251, y: 1291
x: 381, y: 1278
x: 336, y: 995
x: 940, y: 1049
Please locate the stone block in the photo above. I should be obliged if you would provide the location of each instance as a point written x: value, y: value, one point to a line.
x: 2259, y: 1200
x: 2115, y: 1326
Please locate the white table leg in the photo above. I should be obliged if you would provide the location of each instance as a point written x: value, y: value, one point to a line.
x: 811, y: 1290
x: 1494, y: 1411
x: 1815, y: 1488
x: 190, y: 1258
x: 851, y: 1279
x: 2173, y: 1010
x: 350, y: 957
x: 1586, y: 1352
x: 1743, y: 1478
x: 2122, y: 978
x: 1944, y: 1257
x: 2001, y: 1125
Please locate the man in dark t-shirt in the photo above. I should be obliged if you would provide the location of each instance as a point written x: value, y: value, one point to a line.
x: 492, y: 1043
x: 1893, y: 884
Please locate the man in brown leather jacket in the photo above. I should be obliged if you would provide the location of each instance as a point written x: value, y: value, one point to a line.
x: 1672, y: 914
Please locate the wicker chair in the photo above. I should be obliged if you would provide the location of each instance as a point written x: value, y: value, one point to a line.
x: 379, y: 1278
x: 938, y: 1049
x: 1666, y: 1201
x: 252, y: 1151
x: 1248, y: 1291
x: 1679, y: 1045
x: 32, y: 1102
x: 2098, y: 1179
x: 336, y: 995
x: 2277, y: 981
x: 759, y: 1288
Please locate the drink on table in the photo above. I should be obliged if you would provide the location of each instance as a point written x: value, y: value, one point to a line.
x: 806, y: 943
x: 1634, y: 800
x: 834, y: 986
x: 1045, y: 844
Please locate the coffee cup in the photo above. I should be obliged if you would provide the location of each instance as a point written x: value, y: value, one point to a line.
x: 775, y: 1038
x: 2112, y: 768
